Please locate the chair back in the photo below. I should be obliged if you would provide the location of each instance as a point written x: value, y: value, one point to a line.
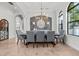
x: 62, y: 33
x: 40, y: 36
x: 18, y: 32
x: 50, y: 36
x: 30, y: 36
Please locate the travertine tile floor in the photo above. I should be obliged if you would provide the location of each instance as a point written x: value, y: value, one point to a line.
x: 10, y: 48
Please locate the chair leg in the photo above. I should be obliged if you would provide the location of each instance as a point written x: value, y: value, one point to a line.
x: 17, y: 41
x: 24, y: 42
x: 54, y: 44
x: 37, y: 45
x: 47, y: 44
x: 43, y: 44
x: 21, y: 41
x: 56, y: 40
x: 27, y: 45
x: 33, y: 44
x: 63, y: 41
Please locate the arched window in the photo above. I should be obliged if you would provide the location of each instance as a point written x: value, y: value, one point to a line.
x: 73, y: 19
x: 60, y: 21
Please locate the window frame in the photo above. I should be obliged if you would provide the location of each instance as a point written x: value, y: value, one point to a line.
x: 68, y: 22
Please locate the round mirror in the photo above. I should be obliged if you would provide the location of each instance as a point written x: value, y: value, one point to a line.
x: 41, y: 23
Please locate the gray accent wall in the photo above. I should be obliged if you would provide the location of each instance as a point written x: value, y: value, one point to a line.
x: 47, y: 26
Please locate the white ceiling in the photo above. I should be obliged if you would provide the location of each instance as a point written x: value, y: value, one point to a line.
x: 35, y: 7
x: 28, y: 8
x: 11, y: 8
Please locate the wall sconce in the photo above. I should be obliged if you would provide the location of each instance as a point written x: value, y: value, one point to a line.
x: 47, y: 22
x: 33, y: 23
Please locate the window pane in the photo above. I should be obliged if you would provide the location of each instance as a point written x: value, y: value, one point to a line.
x: 71, y: 15
x: 75, y: 3
x: 76, y: 30
x: 76, y: 13
x: 71, y: 31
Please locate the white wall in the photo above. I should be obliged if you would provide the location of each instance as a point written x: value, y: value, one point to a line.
x: 54, y: 21
x: 7, y: 14
x: 64, y: 9
x: 72, y: 41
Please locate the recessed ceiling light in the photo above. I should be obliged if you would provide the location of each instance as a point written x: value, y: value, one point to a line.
x: 15, y: 7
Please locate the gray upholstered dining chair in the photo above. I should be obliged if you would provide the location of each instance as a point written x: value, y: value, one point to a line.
x: 40, y: 37
x: 62, y: 36
x: 19, y: 37
x: 30, y: 37
x: 50, y: 37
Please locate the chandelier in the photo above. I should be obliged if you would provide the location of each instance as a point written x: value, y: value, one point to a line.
x: 42, y: 19
x: 43, y: 14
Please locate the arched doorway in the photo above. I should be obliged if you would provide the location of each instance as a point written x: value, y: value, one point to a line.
x: 4, y: 29
x: 19, y: 22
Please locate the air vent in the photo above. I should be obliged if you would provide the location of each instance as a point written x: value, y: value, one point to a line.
x: 10, y: 3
